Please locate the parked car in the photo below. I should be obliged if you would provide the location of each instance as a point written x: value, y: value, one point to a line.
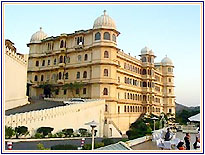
x: 73, y: 100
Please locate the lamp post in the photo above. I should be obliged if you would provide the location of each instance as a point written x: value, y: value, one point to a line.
x: 154, y: 119
x: 92, y: 124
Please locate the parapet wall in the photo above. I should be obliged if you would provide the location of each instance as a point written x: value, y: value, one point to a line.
x: 72, y: 116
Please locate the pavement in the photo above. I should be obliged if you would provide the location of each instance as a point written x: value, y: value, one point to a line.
x: 36, y: 104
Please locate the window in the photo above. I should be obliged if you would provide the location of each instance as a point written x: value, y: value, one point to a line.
x: 118, y: 79
x: 144, y: 84
x: 144, y: 72
x: 68, y: 59
x: 125, y: 95
x: 61, y: 44
x: 64, y: 92
x: 54, y: 62
x: 61, y: 59
x: 57, y: 92
x: 97, y: 36
x: 37, y: 63
x: 125, y: 108
x: 86, y: 57
x: 105, y: 91
x: 66, y: 75
x: 169, y: 69
x: 170, y: 80
x: 59, y: 75
x: 106, y: 54
x: 64, y: 59
x: 170, y: 90
x: 79, y: 40
x: 43, y: 63
x: 106, y: 108
x: 84, y: 74
x: 78, y: 75
x: 79, y: 57
x: 105, y: 72
x: 106, y: 36
x: 170, y: 110
x: 84, y: 91
x: 48, y: 62
x: 36, y: 78
x: 77, y: 91
x: 144, y: 59
x: 113, y: 38
x: 118, y: 109
x: 41, y: 77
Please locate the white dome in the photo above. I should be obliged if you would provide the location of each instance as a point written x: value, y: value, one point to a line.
x: 151, y: 52
x: 104, y: 21
x: 145, y: 50
x: 167, y: 61
x: 38, y: 36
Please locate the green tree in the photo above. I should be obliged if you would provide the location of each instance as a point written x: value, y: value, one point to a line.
x: 67, y: 132
x: 9, y: 132
x: 73, y: 87
x: 44, y: 130
x: 47, y: 89
x: 21, y: 130
x: 83, y: 132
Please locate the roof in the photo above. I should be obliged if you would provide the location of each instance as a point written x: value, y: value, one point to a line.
x: 116, y: 146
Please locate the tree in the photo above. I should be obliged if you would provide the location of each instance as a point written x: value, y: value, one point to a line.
x: 67, y: 132
x: 73, y: 87
x: 9, y: 132
x: 47, y: 89
x: 21, y: 130
x: 83, y: 131
x: 44, y: 130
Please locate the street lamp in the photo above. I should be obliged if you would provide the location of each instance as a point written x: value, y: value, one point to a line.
x: 92, y: 124
x: 154, y: 119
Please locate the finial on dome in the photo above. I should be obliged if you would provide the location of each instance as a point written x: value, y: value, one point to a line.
x: 166, y: 55
x: 104, y: 12
x: 40, y: 28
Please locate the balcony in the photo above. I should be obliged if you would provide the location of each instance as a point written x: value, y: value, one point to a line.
x: 60, y: 81
x: 63, y: 49
x: 62, y: 64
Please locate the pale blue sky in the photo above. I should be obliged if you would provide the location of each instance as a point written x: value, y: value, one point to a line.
x: 172, y: 30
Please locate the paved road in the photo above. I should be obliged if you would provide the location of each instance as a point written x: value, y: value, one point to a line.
x: 48, y: 144
x: 35, y: 105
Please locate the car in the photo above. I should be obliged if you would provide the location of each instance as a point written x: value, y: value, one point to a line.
x: 73, y: 100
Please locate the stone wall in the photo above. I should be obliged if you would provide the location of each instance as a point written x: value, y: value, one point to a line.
x: 72, y: 116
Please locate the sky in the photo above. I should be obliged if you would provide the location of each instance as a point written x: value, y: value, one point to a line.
x: 172, y: 30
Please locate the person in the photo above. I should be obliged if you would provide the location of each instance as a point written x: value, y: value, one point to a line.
x: 167, y: 135
x: 197, y: 143
x: 187, y: 141
x: 180, y: 146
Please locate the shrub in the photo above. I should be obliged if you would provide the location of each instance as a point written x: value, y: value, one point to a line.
x: 9, y: 132
x: 83, y: 132
x: 67, y: 132
x: 38, y: 135
x: 89, y: 146
x: 60, y: 134
x: 63, y: 147
x: 107, y: 141
x: 21, y: 130
x: 44, y: 130
x: 41, y: 147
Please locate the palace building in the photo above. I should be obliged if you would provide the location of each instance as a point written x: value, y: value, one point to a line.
x: 130, y: 86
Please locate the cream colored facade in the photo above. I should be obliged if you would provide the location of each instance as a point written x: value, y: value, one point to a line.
x: 129, y: 86
x: 15, y: 77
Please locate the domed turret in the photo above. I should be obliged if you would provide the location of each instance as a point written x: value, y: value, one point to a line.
x: 38, y: 36
x: 104, y: 21
x: 145, y: 50
x: 167, y: 61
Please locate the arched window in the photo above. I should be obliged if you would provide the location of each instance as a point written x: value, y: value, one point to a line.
x: 84, y: 74
x: 86, y: 57
x: 36, y: 78
x: 144, y: 59
x: 144, y: 84
x: 59, y: 75
x: 106, y: 36
x: 54, y: 62
x: 79, y: 57
x: 106, y: 108
x: 97, y: 36
x: 105, y: 91
x: 61, y: 44
x: 84, y: 91
x: 61, y: 59
x: 64, y: 59
x: 105, y: 72
x: 125, y: 108
x: 42, y: 77
x: 68, y: 59
x: 144, y: 72
x: 66, y: 75
x: 106, y: 54
x: 113, y: 38
x: 144, y: 98
x: 77, y: 91
x: 78, y: 75
x: 43, y: 63
x: 37, y: 63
